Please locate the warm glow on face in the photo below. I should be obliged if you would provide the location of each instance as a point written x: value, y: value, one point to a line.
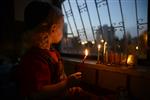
x: 86, y: 52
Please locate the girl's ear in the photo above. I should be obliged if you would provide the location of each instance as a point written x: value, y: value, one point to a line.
x: 53, y: 29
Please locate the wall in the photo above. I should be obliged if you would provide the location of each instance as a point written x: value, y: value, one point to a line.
x: 135, y: 81
x: 6, y: 26
x: 20, y: 6
x: 12, y: 26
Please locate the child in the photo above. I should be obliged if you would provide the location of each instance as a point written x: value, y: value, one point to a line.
x: 41, y: 73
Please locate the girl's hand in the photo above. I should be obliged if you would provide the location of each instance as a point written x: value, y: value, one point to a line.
x: 73, y: 79
x: 76, y: 75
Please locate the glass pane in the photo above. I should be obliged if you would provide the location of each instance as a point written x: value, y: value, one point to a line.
x: 122, y: 24
x: 142, y: 18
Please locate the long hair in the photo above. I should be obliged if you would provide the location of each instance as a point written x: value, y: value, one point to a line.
x: 39, y: 17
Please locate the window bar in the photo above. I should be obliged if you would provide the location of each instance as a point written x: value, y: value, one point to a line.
x: 67, y: 13
x: 79, y: 9
x: 123, y: 28
x: 110, y: 20
x: 101, y: 28
x: 109, y: 13
x: 89, y: 19
x: 118, y: 26
x: 137, y: 23
x: 114, y: 42
x: 74, y: 20
x: 123, y: 25
x: 141, y: 23
x: 98, y: 1
x: 148, y: 34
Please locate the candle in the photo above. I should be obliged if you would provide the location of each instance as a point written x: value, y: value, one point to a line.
x: 131, y: 59
x: 102, y: 40
x: 137, y: 48
x: 105, y: 47
x: 93, y: 42
x: 99, y: 47
x: 86, y: 54
x: 104, y: 52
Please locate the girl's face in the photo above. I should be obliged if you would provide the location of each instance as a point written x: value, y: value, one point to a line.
x: 57, y: 31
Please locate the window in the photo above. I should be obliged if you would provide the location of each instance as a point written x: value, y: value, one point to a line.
x: 119, y: 26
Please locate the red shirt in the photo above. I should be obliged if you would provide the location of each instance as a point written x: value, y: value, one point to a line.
x: 34, y: 71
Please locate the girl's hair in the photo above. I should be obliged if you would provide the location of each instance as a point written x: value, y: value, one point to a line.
x: 39, y: 17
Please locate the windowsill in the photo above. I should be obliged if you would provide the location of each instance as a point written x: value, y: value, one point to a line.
x: 143, y: 71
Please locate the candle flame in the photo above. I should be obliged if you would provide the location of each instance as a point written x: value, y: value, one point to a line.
x: 86, y: 52
x: 136, y: 47
x: 82, y: 43
x: 105, y: 47
x: 102, y: 40
x: 99, y: 46
x: 130, y: 60
x: 93, y: 42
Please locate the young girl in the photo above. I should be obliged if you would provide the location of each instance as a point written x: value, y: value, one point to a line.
x: 41, y: 73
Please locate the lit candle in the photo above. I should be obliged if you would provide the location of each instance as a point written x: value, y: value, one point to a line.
x: 130, y: 60
x: 82, y: 43
x: 86, y: 54
x: 137, y: 48
x: 105, y: 47
x: 93, y: 42
x: 102, y: 40
x: 99, y: 47
x: 104, y: 52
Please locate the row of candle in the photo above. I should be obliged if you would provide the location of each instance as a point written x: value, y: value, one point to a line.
x: 105, y: 55
x: 99, y: 49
